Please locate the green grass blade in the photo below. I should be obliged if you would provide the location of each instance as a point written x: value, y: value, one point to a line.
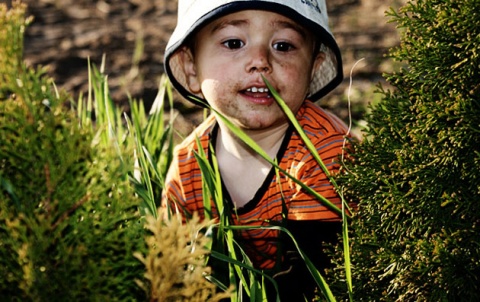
x: 143, y: 182
x: 155, y: 124
x: 207, y: 182
x: 252, y: 144
x: 305, y: 139
x: 346, y: 256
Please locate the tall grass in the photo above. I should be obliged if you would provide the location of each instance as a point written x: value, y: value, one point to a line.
x: 146, y: 135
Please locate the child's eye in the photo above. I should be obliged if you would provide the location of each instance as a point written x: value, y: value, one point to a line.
x: 233, y: 43
x: 283, y: 46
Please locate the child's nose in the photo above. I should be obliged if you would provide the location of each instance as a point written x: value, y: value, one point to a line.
x: 259, y: 59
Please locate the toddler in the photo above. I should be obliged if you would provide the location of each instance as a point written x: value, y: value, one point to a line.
x: 217, y: 55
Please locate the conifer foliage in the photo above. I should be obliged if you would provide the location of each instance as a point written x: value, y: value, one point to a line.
x: 69, y: 221
x: 416, y: 174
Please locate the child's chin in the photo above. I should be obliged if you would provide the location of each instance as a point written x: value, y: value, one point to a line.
x: 261, y: 123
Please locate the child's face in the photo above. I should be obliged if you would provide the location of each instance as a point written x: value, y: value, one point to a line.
x: 231, y: 54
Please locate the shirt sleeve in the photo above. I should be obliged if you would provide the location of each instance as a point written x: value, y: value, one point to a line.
x: 172, y: 196
x: 184, y: 185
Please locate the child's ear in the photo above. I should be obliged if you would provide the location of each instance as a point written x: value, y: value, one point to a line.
x: 317, y: 61
x: 190, y: 69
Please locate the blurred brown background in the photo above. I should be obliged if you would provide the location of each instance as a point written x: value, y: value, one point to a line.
x: 133, y: 35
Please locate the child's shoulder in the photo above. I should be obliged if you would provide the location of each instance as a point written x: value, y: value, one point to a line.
x: 312, y: 117
x: 201, y: 132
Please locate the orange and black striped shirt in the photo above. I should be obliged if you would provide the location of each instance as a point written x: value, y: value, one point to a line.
x: 279, y: 196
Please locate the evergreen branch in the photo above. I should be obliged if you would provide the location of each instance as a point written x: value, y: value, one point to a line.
x: 72, y: 209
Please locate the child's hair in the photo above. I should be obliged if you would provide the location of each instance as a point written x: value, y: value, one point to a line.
x: 312, y: 14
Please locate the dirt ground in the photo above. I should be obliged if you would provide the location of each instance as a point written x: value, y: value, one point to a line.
x: 132, y: 35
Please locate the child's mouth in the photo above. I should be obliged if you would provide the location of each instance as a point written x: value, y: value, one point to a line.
x: 257, y: 92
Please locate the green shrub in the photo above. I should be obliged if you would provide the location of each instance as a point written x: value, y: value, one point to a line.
x: 417, y: 172
x: 69, y: 221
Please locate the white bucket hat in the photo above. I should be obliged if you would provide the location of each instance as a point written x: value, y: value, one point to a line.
x: 193, y: 14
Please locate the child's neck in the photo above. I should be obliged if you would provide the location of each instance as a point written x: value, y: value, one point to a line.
x: 243, y: 170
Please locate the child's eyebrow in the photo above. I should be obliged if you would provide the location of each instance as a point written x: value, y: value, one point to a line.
x: 290, y: 25
x: 223, y: 24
